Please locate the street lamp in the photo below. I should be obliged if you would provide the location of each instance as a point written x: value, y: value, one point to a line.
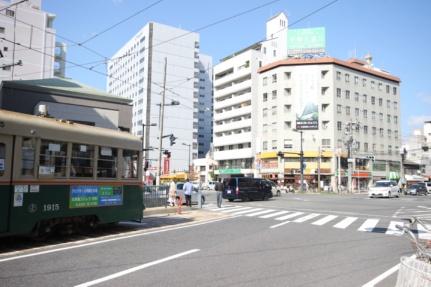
x: 301, y: 159
x: 189, y: 145
x: 162, y: 113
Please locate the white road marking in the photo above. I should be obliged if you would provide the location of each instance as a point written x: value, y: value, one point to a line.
x: 117, y: 237
x: 292, y: 215
x: 325, y: 220
x: 280, y: 224
x: 393, y: 230
x: 307, y: 217
x: 137, y: 268
x: 236, y: 209
x: 274, y: 214
x: 423, y: 233
x: 345, y: 222
x: 368, y: 225
x: 260, y: 212
x: 246, y: 211
x: 398, y: 211
x: 421, y: 206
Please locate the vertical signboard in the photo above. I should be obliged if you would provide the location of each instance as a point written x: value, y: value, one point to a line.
x: 306, y: 100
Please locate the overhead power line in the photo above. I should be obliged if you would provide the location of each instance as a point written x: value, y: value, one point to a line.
x: 120, y: 22
x: 11, y: 5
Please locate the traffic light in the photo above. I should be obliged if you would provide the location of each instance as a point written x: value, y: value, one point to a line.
x: 280, y: 154
x: 167, y: 153
x: 172, y: 139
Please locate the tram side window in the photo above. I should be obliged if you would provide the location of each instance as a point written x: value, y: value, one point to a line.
x: 28, y: 153
x: 2, y: 158
x: 82, y: 160
x: 52, y: 162
x: 130, y: 163
x: 107, y: 163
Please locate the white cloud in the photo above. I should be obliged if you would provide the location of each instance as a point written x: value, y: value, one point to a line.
x: 418, y: 121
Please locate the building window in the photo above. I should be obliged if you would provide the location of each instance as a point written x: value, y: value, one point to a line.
x: 380, y: 86
x: 347, y: 78
x: 338, y: 75
x: 373, y: 100
x: 356, y: 112
x: 347, y: 92
x: 288, y: 125
x: 274, y: 95
x: 381, y: 116
x: 324, y: 90
x: 373, y: 115
x: 338, y: 109
x: 274, y: 53
x: 339, y: 126
x: 265, y: 145
x: 287, y: 75
x: 365, y: 147
x: 389, y: 119
x: 274, y: 78
x: 381, y: 132
x: 10, y: 13
x: 287, y: 108
x: 387, y: 89
x: 264, y: 81
x: 365, y: 129
x: 394, y: 90
x: 356, y: 97
x: 364, y: 82
x: 380, y: 102
x: 287, y: 92
x: 364, y: 99
x: 389, y: 133
x: 274, y: 110
x: 372, y: 84
x: 347, y: 110
x: 265, y: 97
x: 374, y: 131
x: 338, y: 93
x: 395, y: 105
x: 388, y: 104
x: 396, y: 135
x: 265, y: 112
x: 365, y: 113
x: 326, y: 142
x: 389, y: 149
x: 323, y: 73
x: 395, y: 119
x: 356, y: 80
x: 274, y: 144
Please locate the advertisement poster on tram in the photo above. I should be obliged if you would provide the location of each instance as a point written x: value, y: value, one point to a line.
x: 95, y: 196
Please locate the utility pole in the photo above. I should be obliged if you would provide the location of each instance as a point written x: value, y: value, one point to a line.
x: 350, y: 127
x: 339, y: 169
x: 318, y: 168
x: 162, y: 111
x: 301, y: 159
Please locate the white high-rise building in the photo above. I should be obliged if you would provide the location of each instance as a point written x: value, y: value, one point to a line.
x: 30, y: 27
x: 205, y: 122
x: 235, y: 100
x: 136, y: 71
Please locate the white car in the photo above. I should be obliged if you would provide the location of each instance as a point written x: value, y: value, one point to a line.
x: 428, y: 184
x: 384, y: 188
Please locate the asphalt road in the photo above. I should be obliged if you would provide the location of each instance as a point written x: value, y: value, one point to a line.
x: 293, y: 240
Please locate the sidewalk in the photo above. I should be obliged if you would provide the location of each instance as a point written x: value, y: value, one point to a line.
x: 194, y: 214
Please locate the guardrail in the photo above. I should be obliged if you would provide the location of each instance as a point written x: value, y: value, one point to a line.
x: 155, y: 196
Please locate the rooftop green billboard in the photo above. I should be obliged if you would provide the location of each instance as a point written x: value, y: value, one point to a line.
x: 309, y: 40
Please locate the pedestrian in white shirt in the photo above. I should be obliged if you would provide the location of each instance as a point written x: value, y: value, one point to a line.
x: 188, y: 189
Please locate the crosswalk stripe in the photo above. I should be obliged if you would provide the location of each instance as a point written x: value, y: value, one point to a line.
x: 260, y: 212
x: 307, y: 217
x: 292, y: 215
x: 324, y: 220
x: 225, y: 208
x: 368, y: 225
x: 393, y: 230
x: 236, y: 209
x: 345, y: 222
x: 274, y: 214
x: 423, y: 233
x: 246, y: 211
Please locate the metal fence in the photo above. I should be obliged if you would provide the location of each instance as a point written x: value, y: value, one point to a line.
x: 155, y: 196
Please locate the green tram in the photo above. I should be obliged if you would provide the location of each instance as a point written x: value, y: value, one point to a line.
x: 58, y: 173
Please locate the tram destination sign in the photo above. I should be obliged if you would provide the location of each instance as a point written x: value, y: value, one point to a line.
x: 82, y: 196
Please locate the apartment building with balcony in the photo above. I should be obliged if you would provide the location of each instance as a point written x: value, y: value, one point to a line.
x: 136, y: 71
x: 235, y: 100
x: 27, y: 52
x: 344, y: 92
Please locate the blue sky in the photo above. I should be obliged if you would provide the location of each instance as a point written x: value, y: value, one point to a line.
x: 397, y: 33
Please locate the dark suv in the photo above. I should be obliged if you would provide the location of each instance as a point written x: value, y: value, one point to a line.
x: 246, y: 188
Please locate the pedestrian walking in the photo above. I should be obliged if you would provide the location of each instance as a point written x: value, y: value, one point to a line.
x: 188, y: 189
x: 172, y: 193
x: 219, y: 187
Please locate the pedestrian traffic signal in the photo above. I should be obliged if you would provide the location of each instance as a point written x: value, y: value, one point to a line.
x: 172, y: 139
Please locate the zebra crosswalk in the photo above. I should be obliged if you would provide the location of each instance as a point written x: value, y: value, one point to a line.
x: 376, y: 225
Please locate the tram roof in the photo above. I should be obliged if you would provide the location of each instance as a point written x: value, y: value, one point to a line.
x: 67, y: 87
x: 13, y: 123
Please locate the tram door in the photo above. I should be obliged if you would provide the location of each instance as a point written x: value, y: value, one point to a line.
x: 5, y: 180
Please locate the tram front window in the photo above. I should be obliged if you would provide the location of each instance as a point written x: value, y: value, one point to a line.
x: 107, y: 163
x: 130, y: 164
x: 82, y: 161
